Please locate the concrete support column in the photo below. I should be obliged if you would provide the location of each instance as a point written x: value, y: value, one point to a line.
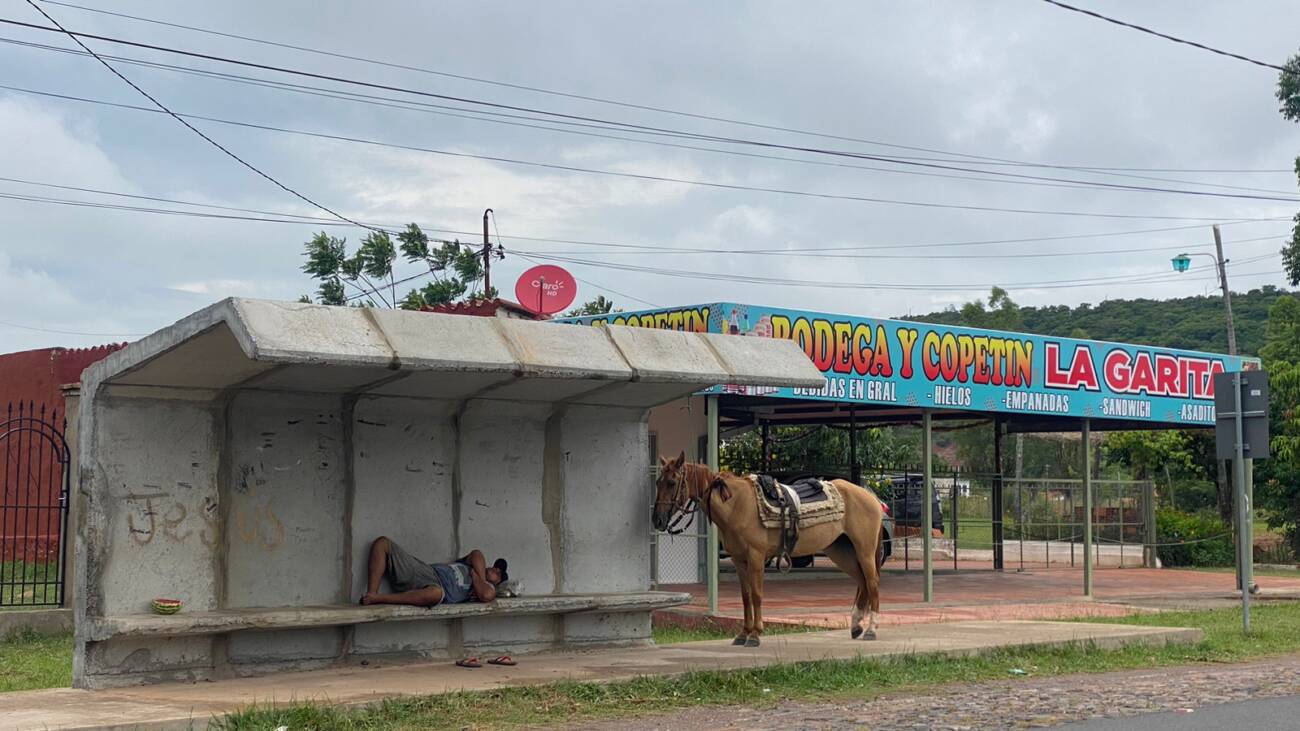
x: 712, y: 542
x: 68, y: 537
x: 1149, y: 524
x: 927, y: 508
x: 995, y: 506
x: 1087, y: 507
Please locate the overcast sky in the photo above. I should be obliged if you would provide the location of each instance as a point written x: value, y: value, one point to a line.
x: 1017, y: 80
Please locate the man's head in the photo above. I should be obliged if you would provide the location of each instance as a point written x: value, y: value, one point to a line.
x: 496, y: 573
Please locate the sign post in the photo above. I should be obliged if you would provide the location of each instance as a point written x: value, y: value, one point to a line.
x: 1241, y: 433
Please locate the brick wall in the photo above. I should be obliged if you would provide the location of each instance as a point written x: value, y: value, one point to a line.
x: 30, y: 476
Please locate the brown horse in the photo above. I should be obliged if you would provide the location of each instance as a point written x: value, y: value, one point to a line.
x: 730, y: 502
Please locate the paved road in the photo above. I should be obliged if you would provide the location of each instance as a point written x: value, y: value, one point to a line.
x: 1134, y: 699
x: 1258, y: 713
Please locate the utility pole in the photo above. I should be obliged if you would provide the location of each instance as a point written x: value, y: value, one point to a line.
x: 1227, y: 297
x: 1181, y: 264
x: 487, y: 256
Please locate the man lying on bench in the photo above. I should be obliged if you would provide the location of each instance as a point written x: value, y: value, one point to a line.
x: 420, y: 584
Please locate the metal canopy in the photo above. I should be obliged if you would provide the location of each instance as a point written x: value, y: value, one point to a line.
x: 885, y: 371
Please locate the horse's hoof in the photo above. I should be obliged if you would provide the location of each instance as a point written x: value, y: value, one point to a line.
x: 752, y: 642
x: 856, y: 632
x: 869, y: 634
x: 739, y: 640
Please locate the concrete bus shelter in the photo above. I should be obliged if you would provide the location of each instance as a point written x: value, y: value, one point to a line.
x: 243, y: 459
x: 880, y: 372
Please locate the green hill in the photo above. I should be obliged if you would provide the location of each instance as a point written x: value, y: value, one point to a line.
x: 1192, y: 323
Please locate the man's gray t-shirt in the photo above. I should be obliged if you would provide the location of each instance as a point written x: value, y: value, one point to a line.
x: 455, y: 580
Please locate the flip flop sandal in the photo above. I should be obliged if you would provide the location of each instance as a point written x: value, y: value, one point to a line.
x: 469, y: 662
x: 503, y: 660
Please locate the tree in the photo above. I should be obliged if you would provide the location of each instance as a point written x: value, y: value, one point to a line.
x: 598, y: 306
x: 1278, y: 478
x: 1000, y: 314
x: 1282, y: 334
x: 456, y: 269
x: 823, y: 449
x: 1288, y: 93
x: 1191, y: 323
x: 1151, y: 455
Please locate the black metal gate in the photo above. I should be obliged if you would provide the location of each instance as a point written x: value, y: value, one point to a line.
x: 33, y: 505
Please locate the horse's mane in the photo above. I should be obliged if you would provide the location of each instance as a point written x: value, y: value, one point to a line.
x: 697, y: 478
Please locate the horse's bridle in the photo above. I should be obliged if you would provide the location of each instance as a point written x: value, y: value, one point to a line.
x: 684, y: 506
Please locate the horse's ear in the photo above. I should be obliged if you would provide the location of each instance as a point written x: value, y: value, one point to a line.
x: 681, y: 459
x: 663, y: 461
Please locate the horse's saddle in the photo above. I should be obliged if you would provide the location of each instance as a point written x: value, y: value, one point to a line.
x: 804, y: 504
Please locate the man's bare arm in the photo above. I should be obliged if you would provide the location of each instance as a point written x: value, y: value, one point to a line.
x: 483, y: 589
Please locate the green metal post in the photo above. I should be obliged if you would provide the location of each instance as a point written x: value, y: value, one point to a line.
x: 712, y: 541
x: 1087, y: 507
x: 1249, y: 564
x: 1149, y: 524
x: 1245, y: 552
x: 927, y: 507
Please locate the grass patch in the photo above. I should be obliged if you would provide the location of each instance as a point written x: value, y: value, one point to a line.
x: 1258, y: 571
x: 1277, y: 630
x: 31, y: 661
x: 974, y: 535
x: 37, y: 583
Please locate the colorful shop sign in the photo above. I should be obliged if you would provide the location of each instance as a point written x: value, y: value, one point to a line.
x: 868, y: 360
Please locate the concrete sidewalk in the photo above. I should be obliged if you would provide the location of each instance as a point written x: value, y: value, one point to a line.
x: 174, y: 705
x: 821, y: 599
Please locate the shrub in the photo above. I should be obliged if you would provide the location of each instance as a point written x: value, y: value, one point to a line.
x: 1200, y: 539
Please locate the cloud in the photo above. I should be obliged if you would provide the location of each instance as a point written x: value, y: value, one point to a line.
x: 996, y: 79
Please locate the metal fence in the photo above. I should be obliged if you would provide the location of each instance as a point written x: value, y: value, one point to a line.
x: 1041, y: 523
x: 1041, y: 520
x: 676, y: 559
x: 34, y: 491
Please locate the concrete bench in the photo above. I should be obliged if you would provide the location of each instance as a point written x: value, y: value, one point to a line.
x: 184, y: 624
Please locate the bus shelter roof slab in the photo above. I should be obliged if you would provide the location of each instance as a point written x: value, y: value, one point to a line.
x: 288, y: 346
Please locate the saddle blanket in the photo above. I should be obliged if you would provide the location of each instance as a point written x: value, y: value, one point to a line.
x: 827, y: 506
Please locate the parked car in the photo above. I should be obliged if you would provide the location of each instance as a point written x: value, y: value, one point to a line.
x: 906, y: 493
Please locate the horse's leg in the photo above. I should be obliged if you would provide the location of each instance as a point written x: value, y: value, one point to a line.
x: 754, y: 562
x: 869, y: 598
x: 842, y: 554
x: 742, y: 574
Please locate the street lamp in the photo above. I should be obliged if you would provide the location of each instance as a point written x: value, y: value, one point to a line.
x: 1183, y: 262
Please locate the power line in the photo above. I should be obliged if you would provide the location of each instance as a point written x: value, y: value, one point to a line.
x: 734, y: 277
x: 801, y: 253
x: 33, y: 328
x: 1142, y: 278
x: 625, y: 126
x: 635, y: 176
x: 1165, y: 36
x: 188, y: 126
x: 882, y: 247
x: 270, y: 216
x: 583, y: 129
x: 141, y: 209
x: 613, y: 102
x: 910, y: 257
